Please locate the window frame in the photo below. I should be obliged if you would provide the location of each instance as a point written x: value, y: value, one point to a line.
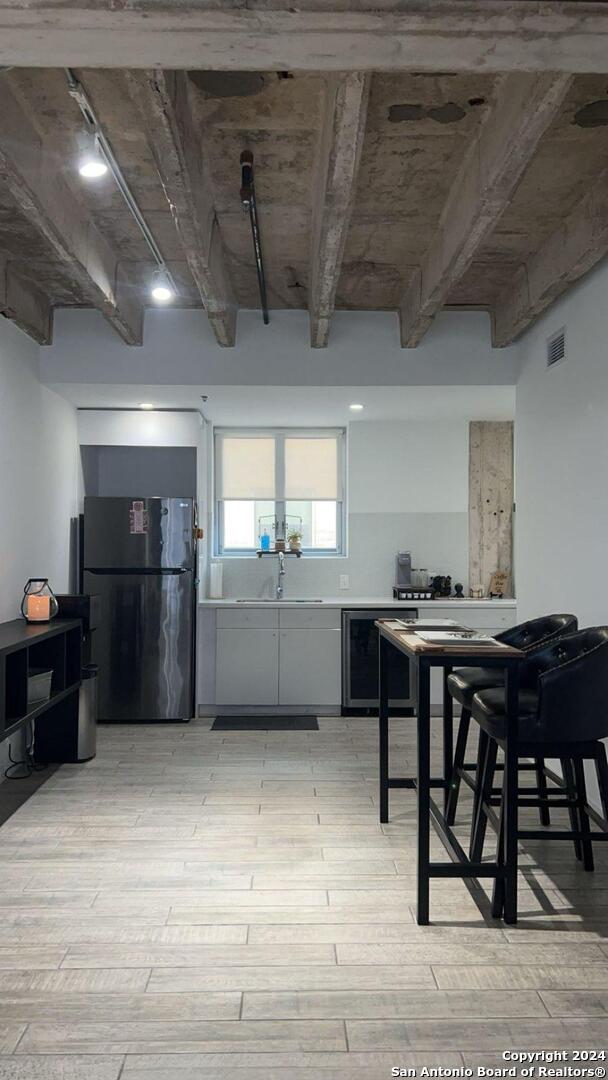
x: 279, y: 434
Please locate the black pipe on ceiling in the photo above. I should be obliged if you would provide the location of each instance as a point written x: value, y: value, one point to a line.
x: 249, y: 204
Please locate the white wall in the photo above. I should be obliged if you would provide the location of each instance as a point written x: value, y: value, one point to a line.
x: 116, y: 427
x: 408, y: 490
x: 38, y: 473
x: 403, y: 467
x: 561, y: 464
x: 38, y: 476
x: 364, y: 350
x: 561, y: 458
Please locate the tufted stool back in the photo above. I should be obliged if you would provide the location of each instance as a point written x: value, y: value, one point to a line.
x: 572, y: 683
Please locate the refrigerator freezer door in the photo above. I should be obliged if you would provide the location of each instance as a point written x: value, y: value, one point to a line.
x: 144, y: 645
x: 137, y: 534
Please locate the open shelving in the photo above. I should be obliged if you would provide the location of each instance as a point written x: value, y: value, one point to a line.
x: 26, y: 647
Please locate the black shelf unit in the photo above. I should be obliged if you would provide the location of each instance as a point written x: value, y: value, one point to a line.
x: 26, y: 646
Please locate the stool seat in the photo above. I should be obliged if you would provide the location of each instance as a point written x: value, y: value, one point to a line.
x: 464, y: 683
x: 489, y: 709
x: 561, y: 716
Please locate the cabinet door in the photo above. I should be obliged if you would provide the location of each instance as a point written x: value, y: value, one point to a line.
x: 247, y: 667
x: 310, y: 667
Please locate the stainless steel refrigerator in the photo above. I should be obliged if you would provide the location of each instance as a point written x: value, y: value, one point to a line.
x: 139, y: 557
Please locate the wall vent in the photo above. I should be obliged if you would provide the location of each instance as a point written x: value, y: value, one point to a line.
x: 556, y: 347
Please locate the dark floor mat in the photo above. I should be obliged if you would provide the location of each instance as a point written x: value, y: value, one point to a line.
x: 265, y: 723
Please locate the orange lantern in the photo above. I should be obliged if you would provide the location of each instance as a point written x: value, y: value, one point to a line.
x: 39, y: 603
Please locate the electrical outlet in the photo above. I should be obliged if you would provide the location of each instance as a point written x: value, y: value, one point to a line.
x: 344, y: 581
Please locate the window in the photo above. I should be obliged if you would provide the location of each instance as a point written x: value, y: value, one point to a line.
x: 277, y: 481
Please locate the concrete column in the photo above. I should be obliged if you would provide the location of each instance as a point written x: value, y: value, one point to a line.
x: 490, y: 501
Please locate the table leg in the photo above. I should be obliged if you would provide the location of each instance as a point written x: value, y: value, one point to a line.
x: 383, y: 734
x: 424, y: 790
x: 448, y: 740
x: 510, y: 789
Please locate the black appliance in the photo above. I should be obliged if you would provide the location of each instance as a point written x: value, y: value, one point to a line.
x: 360, y: 655
x: 85, y: 608
x: 139, y: 558
x: 80, y: 606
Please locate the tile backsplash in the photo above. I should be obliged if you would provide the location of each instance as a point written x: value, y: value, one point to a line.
x: 437, y: 541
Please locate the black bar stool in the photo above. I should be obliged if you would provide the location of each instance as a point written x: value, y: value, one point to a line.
x: 562, y: 715
x: 464, y: 683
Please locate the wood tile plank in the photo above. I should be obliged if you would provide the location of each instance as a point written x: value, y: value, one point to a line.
x: 419, y: 1004
x: 127, y: 956
x: 183, y: 1036
x: 59, y: 1067
x: 287, y: 977
x: 433, y: 952
x: 522, y: 977
x: 451, y: 1035
x: 115, y: 1008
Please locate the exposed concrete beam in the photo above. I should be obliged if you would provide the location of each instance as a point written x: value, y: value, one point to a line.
x: 30, y: 169
x: 577, y: 245
x: 524, y: 107
x: 343, y: 129
x: 163, y: 98
x: 371, y: 35
x: 25, y: 305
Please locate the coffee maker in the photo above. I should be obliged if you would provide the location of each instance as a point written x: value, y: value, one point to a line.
x: 403, y: 588
x: 403, y: 575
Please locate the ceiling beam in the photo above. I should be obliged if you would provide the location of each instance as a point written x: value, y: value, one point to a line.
x: 30, y: 168
x: 340, y: 144
x: 177, y: 144
x: 524, y: 107
x: 371, y: 35
x: 28, y: 308
x: 574, y: 248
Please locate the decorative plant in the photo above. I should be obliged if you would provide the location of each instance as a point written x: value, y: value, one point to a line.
x: 294, y: 537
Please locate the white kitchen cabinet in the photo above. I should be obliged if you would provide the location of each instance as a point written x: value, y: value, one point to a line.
x: 247, y: 666
x: 310, y: 667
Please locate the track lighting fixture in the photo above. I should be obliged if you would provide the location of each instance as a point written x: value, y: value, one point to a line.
x: 99, y: 160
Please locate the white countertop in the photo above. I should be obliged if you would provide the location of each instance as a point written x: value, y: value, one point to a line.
x: 363, y: 602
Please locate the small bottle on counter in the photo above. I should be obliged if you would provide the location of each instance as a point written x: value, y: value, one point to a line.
x: 264, y: 541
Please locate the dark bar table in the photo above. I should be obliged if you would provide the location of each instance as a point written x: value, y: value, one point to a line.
x: 426, y: 656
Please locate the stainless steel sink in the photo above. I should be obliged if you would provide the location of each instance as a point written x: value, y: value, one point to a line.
x: 285, y: 600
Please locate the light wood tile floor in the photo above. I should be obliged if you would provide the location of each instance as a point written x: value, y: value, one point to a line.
x: 197, y: 906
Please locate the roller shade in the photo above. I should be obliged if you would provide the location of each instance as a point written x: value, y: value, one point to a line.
x: 311, y: 468
x: 247, y: 468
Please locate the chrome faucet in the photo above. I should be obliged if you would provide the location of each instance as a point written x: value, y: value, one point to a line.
x: 281, y: 575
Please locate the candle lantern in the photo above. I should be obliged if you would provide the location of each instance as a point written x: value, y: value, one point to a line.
x: 39, y: 603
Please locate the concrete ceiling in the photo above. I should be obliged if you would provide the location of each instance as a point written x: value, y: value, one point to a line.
x: 246, y: 406
x: 386, y: 191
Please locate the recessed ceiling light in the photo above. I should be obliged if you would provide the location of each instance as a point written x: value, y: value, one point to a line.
x: 356, y: 407
x: 146, y: 405
x: 162, y: 289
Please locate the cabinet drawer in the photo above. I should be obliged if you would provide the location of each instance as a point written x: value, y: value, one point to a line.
x: 266, y: 618
x: 310, y: 618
